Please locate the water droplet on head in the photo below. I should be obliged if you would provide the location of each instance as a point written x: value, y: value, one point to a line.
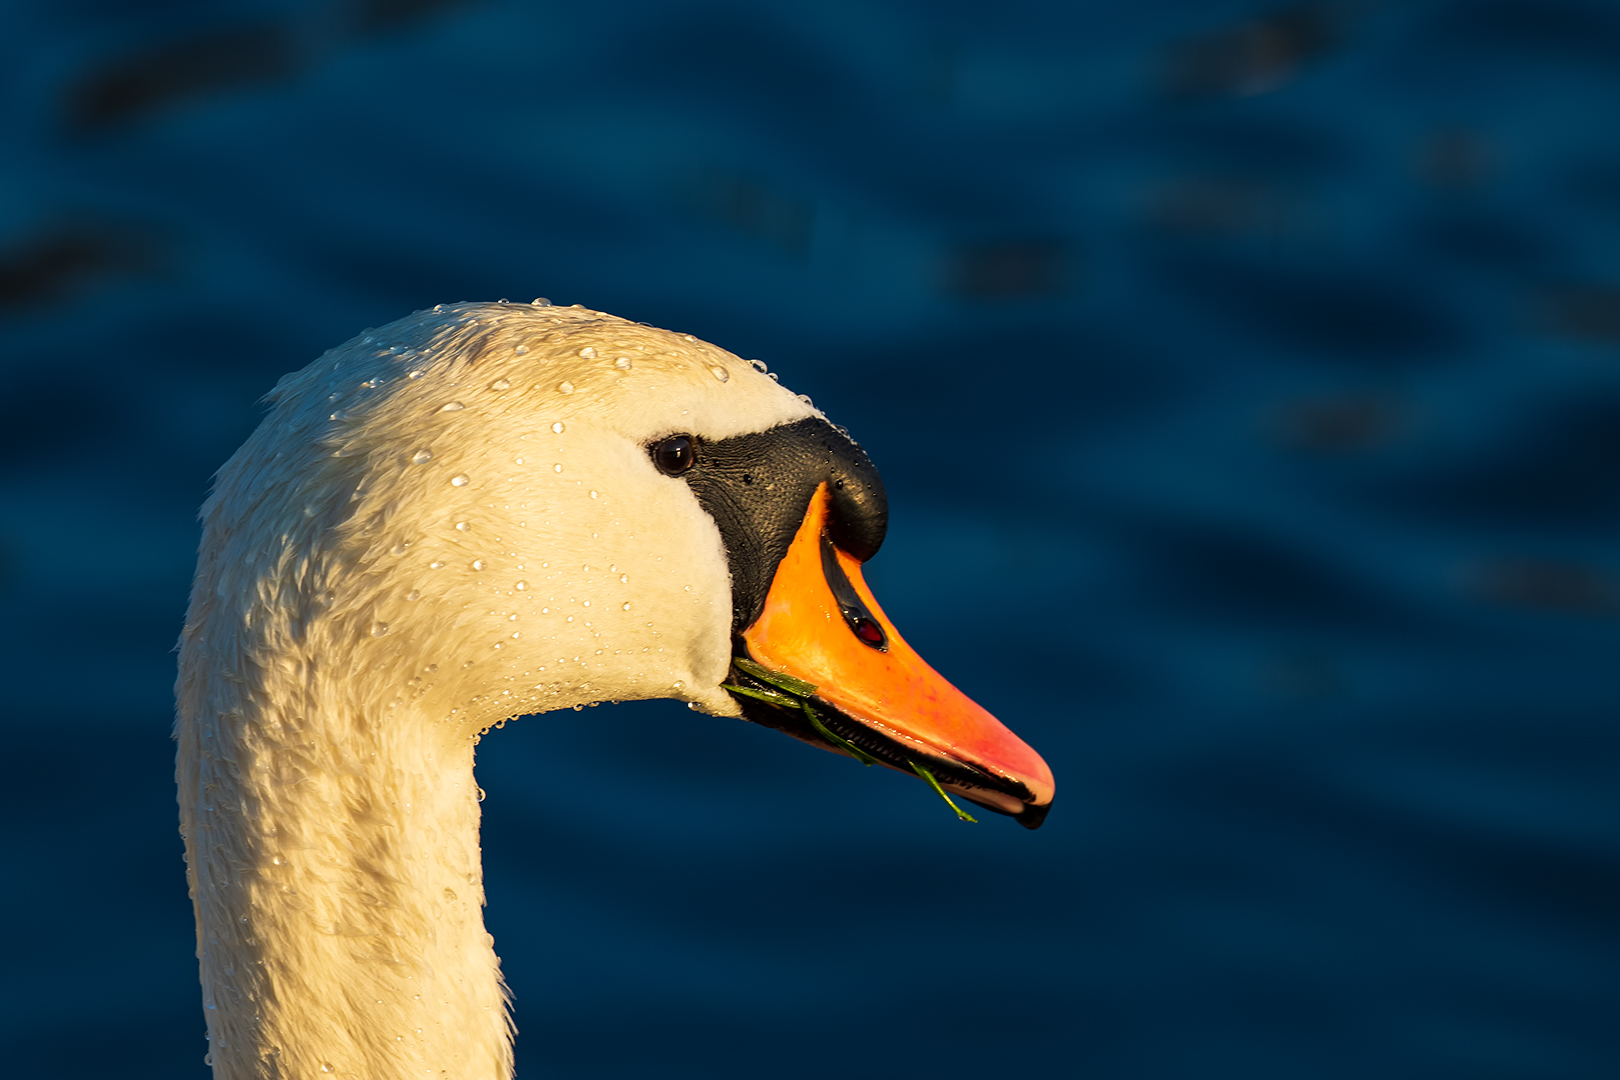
x: 421, y: 457
x: 720, y: 373
x: 540, y: 301
x: 414, y: 375
x: 454, y: 406
x: 501, y: 384
x: 587, y: 352
x: 557, y: 428
x: 806, y: 399
x: 622, y: 363
x: 759, y: 366
x: 460, y: 479
x: 565, y: 387
x: 478, y: 564
x: 521, y: 349
x: 627, y: 605
x: 520, y: 586
x: 414, y: 594
x: 327, y: 1067
x: 435, y: 564
x: 557, y: 467
x: 378, y: 629
x: 399, y: 548
x: 462, y: 526
x: 341, y: 414
x: 624, y: 579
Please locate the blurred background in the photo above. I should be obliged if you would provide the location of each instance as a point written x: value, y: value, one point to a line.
x: 1246, y: 380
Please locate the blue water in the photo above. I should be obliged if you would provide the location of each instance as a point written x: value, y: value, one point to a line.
x: 1247, y: 385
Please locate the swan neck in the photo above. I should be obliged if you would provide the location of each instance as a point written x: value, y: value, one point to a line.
x: 333, y: 854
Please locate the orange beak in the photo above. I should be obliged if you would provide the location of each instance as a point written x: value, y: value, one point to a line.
x: 821, y: 625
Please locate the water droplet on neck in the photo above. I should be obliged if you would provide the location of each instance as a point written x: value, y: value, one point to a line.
x: 462, y: 526
x: 622, y: 363
x: 399, y: 548
x: 520, y: 586
x: 459, y: 480
x: 421, y: 457
x: 378, y: 629
x: 454, y: 406
x: 587, y: 352
x: 521, y: 349
x: 557, y: 428
x: 478, y: 564
x: 759, y: 366
x: 557, y: 467
x: 720, y: 373
x: 415, y: 375
x: 326, y: 1067
x: 565, y: 388
x: 540, y: 301
x: 435, y: 564
x: 414, y: 594
x: 501, y: 384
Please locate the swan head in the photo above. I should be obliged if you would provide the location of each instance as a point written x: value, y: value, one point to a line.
x: 486, y: 510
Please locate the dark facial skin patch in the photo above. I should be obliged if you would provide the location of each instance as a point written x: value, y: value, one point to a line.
x: 758, y: 488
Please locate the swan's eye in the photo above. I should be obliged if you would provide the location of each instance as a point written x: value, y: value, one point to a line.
x: 674, y: 455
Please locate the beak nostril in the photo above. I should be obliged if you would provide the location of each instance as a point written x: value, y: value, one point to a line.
x: 867, y: 630
x: 861, y: 622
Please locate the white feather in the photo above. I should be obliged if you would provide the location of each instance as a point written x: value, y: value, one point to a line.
x: 441, y: 524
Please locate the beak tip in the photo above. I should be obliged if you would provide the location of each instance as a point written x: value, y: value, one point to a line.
x: 1033, y: 817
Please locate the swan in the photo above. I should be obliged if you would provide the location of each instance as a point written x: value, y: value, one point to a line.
x: 477, y: 512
